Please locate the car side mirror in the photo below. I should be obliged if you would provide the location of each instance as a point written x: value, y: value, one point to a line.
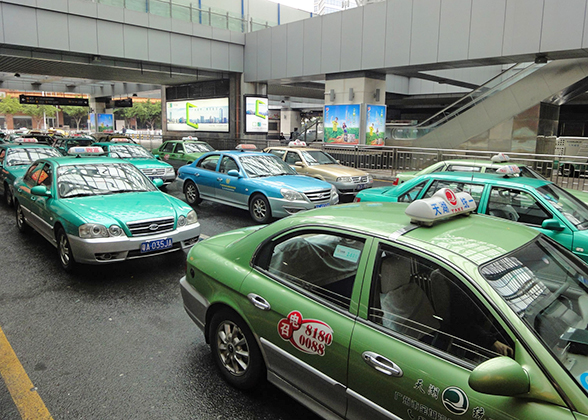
x: 40, y: 190
x: 158, y: 182
x: 234, y: 172
x: 552, y: 224
x: 500, y: 376
x: 299, y: 163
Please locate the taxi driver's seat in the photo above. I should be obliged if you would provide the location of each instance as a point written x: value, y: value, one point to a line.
x: 405, y: 305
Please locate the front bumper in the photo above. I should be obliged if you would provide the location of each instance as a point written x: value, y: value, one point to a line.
x: 346, y: 188
x: 120, y: 248
x: 282, y: 207
x: 195, y: 304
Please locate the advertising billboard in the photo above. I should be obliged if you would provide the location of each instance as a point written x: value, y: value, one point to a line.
x: 341, y: 123
x: 198, y: 115
x: 375, y: 120
x: 104, y: 122
x: 256, y: 114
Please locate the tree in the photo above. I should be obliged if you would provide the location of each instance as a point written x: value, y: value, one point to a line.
x: 38, y: 111
x: 148, y: 112
x: 77, y: 113
x: 10, y: 105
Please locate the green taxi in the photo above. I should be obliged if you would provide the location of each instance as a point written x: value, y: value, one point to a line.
x: 99, y: 210
x: 63, y: 144
x: 182, y: 152
x: 538, y: 203
x: 360, y: 311
x: 15, y: 159
x: 141, y: 158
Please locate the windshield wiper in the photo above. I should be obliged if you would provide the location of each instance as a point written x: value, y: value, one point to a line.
x: 79, y: 195
x: 126, y: 191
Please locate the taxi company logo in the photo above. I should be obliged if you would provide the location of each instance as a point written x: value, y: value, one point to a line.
x: 450, y: 197
x: 153, y: 226
x: 307, y: 335
x: 455, y: 400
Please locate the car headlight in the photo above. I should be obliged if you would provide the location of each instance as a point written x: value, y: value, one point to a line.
x: 344, y: 179
x: 191, y: 218
x: 370, y: 178
x: 169, y: 171
x: 333, y: 190
x: 94, y: 230
x: 181, y: 221
x: 292, y: 195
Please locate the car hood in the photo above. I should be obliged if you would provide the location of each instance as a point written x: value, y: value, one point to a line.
x: 580, y: 195
x: 148, y: 163
x: 124, y: 207
x: 334, y: 171
x: 16, y: 171
x: 405, y: 176
x: 296, y: 182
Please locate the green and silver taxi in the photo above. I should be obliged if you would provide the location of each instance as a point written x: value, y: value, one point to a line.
x: 141, y: 158
x: 319, y: 164
x: 99, y: 210
x: 361, y: 311
x: 15, y: 159
x: 538, y: 203
x: 63, y: 144
x: 182, y: 152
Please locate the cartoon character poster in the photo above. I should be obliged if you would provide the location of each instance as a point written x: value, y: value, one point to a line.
x: 105, y: 122
x: 375, y: 130
x: 341, y: 123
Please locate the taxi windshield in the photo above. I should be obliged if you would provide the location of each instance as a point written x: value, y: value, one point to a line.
x: 197, y: 147
x: 22, y: 156
x: 100, y: 179
x: 548, y: 290
x: 316, y: 157
x: 575, y: 211
x: 127, y: 151
x: 265, y: 165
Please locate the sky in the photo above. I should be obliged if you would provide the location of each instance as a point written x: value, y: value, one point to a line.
x: 307, y: 5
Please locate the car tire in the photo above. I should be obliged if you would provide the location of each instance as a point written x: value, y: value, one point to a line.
x: 569, y: 170
x: 21, y: 223
x: 65, y: 254
x: 235, y: 350
x: 8, y: 197
x: 191, y: 193
x: 260, y: 209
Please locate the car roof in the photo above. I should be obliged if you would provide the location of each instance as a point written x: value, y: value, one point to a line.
x: 112, y: 143
x: 477, y: 233
x: 25, y: 145
x: 294, y: 148
x: 238, y: 153
x: 495, y: 179
x: 86, y: 160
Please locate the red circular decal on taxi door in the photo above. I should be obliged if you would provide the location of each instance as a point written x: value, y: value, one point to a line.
x: 451, y: 197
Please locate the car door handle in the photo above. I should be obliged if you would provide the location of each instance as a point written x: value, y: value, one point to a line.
x: 219, y: 179
x: 259, y: 302
x: 381, y: 364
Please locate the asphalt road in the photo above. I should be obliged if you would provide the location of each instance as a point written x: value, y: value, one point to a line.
x: 113, y: 341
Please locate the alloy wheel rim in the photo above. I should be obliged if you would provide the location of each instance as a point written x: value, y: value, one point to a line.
x: 259, y: 209
x: 64, y: 250
x: 233, y: 349
x: 190, y: 192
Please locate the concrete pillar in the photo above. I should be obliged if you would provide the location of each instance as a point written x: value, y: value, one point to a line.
x: 289, y: 119
x: 355, y: 108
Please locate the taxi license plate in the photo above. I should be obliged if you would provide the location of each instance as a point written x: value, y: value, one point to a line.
x: 361, y: 186
x: 318, y: 206
x: 156, y: 245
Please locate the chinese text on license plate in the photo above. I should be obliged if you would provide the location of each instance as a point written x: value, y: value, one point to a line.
x: 321, y: 205
x: 156, y: 245
x: 361, y: 186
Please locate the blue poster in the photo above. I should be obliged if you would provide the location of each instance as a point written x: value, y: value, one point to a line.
x: 341, y: 123
x: 375, y: 119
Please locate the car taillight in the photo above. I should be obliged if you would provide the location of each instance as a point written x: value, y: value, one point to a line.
x: 356, y: 200
x: 395, y: 181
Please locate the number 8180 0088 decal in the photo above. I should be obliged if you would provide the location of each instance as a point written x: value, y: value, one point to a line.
x: 307, y: 335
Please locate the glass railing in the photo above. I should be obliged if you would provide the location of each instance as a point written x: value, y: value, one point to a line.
x: 208, y: 16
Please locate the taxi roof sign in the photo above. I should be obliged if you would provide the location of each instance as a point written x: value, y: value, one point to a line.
x: 27, y: 140
x: 500, y: 157
x: 246, y: 146
x: 120, y: 140
x: 190, y: 138
x: 442, y: 205
x: 297, y: 143
x: 509, y: 170
x: 85, y: 150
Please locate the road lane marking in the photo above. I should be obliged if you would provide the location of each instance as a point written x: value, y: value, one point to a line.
x: 23, y: 392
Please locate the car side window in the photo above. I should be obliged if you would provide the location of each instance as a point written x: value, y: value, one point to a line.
x: 227, y: 163
x: 417, y: 299
x: 2, y: 155
x: 412, y: 194
x: 168, y: 147
x: 475, y: 190
x: 292, y: 158
x: 179, y: 148
x: 516, y: 205
x: 32, y: 174
x: 278, y: 152
x: 322, y: 264
x: 209, y: 162
x: 45, y: 177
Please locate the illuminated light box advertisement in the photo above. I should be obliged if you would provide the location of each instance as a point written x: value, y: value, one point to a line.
x: 375, y: 129
x: 105, y: 122
x: 256, y: 114
x: 198, y: 115
x: 92, y: 122
x: 341, y: 123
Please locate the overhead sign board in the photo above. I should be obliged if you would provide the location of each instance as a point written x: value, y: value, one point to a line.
x: 51, y: 100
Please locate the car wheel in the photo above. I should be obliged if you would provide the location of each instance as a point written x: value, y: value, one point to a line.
x: 568, y: 170
x: 66, y: 257
x: 8, y: 197
x: 235, y: 350
x: 21, y: 223
x: 259, y: 209
x: 191, y: 193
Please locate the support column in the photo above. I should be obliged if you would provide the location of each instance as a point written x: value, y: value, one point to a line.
x: 355, y: 108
